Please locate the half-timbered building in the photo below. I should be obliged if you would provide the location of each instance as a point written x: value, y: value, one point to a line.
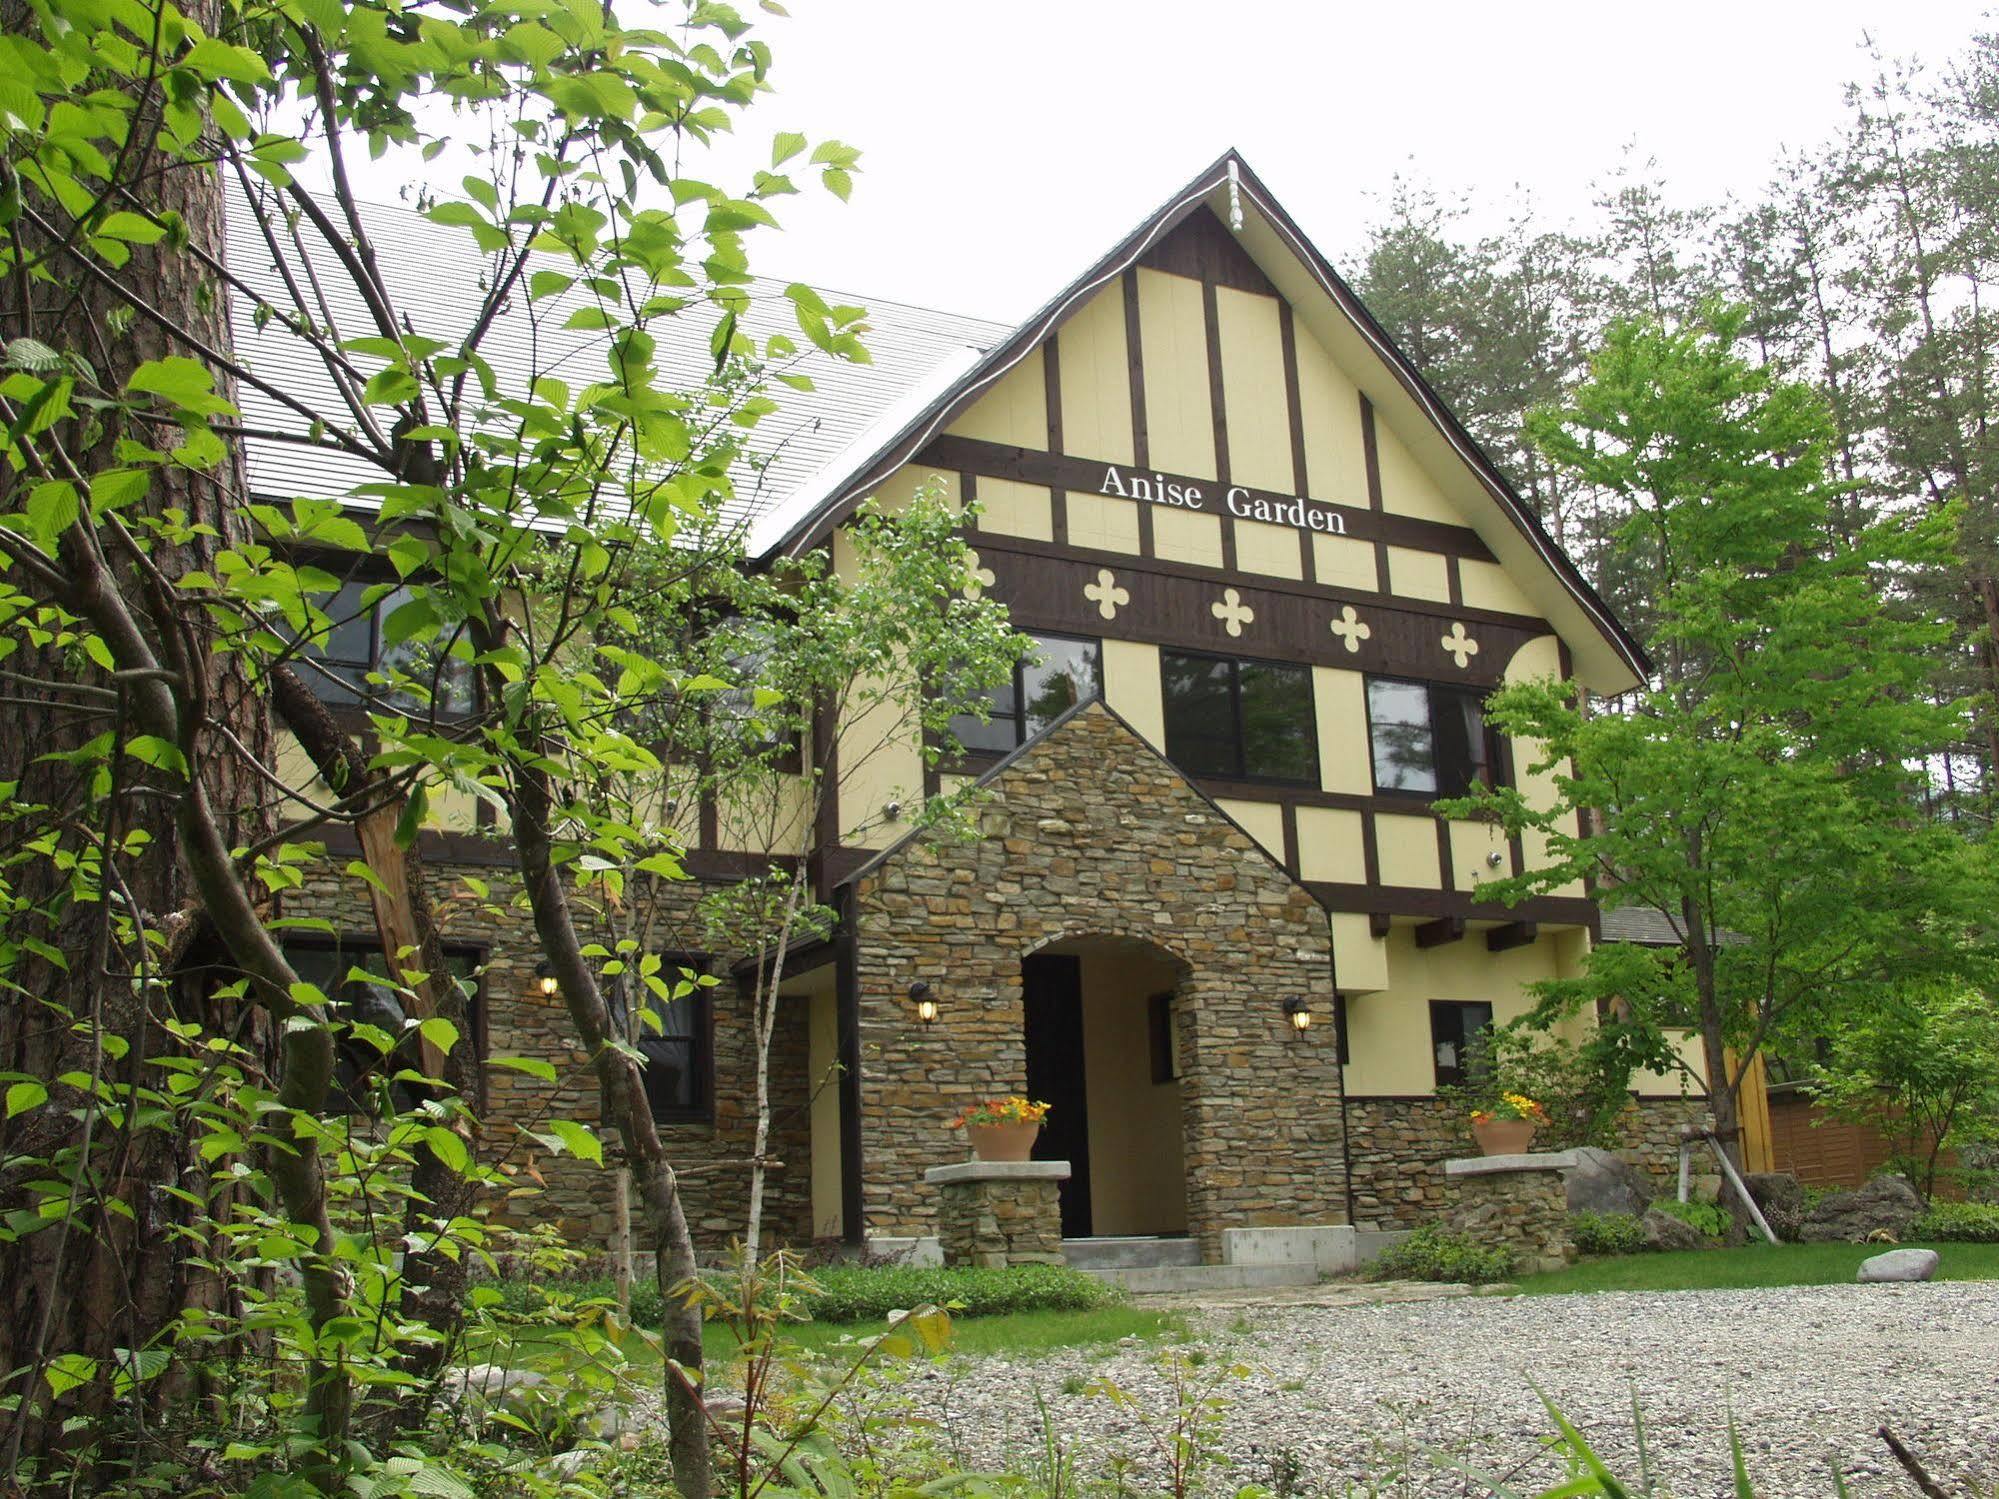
x: 1271, y: 581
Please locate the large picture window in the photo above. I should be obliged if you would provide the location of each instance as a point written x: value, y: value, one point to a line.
x: 1453, y: 1024
x: 1060, y: 672
x: 1239, y: 720
x: 362, y: 1072
x: 1429, y: 739
x: 338, y: 661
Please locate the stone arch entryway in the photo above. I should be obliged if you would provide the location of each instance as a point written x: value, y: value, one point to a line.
x: 1101, y: 1038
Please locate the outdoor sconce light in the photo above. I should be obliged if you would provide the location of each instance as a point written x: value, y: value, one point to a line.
x: 925, y: 999
x: 546, y: 974
x: 1298, y: 1011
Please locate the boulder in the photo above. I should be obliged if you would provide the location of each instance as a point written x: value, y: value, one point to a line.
x: 1664, y: 1231
x: 1780, y: 1197
x: 486, y: 1384
x: 1603, y: 1182
x: 1899, y: 1264
x: 1887, y: 1207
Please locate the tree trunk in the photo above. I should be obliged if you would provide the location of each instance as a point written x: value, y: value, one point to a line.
x: 115, y: 1278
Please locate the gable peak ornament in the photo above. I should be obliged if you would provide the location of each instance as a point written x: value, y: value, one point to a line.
x: 978, y: 577
x: 1350, y: 628
x: 1105, y: 593
x: 1460, y: 645
x: 1232, y: 612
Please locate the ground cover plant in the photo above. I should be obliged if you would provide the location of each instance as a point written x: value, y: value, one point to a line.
x: 1959, y: 1222
x: 860, y: 1293
x: 1436, y: 1253
x: 1606, y: 1233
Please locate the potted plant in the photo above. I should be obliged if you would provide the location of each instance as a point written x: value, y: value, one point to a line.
x: 1002, y: 1129
x: 1506, y: 1126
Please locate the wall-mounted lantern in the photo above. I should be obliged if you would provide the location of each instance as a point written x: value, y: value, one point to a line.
x: 545, y: 974
x: 925, y: 999
x: 1298, y: 1010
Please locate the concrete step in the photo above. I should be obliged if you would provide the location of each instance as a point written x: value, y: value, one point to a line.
x: 1137, y: 1251
x: 1160, y: 1280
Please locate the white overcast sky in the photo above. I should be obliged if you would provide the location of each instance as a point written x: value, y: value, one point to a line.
x: 1008, y: 144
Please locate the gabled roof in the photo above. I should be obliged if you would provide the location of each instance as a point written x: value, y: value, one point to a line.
x: 1606, y: 656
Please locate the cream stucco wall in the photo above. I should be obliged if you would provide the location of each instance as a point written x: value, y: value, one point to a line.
x: 1138, y: 1178
x: 1096, y: 380
x: 1173, y: 338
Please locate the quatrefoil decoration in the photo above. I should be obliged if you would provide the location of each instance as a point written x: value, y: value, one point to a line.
x: 1232, y: 612
x: 1460, y: 645
x: 1351, y: 630
x: 979, y: 577
x: 1106, y: 595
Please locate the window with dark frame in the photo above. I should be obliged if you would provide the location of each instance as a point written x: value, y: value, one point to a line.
x: 1060, y: 672
x: 360, y: 1067
x: 1162, y: 1038
x: 1340, y: 1049
x: 1239, y: 720
x: 336, y: 664
x: 1453, y: 1024
x: 1430, y: 739
x: 675, y: 1036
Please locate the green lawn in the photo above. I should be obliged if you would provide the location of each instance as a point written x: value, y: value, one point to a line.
x: 1753, y: 1265
x: 1017, y: 1332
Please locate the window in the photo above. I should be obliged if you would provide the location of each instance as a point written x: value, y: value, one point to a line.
x: 1162, y: 1029
x: 337, y: 663
x: 1340, y: 1048
x: 1429, y: 738
x: 1452, y: 1027
x: 361, y: 1070
x: 1058, y: 673
x: 674, y: 1036
x: 1239, y: 720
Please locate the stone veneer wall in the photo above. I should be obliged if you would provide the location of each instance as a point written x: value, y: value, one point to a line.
x: 519, y: 1021
x: 1399, y: 1145
x: 1090, y: 833
x: 1525, y: 1209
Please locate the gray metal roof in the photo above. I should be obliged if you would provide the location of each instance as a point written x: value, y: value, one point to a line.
x: 1645, y: 925
x: 438, y: 278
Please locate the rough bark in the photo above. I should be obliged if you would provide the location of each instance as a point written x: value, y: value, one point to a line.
x: 118, y: 1283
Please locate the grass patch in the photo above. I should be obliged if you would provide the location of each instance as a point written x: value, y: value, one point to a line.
x: 1014, y: 1332
x: 1754, y: 1265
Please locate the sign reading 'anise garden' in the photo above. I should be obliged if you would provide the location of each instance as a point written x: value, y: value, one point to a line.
x: 1239, y: 501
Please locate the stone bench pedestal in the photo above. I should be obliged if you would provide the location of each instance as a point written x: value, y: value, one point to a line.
x: 1000, y: 1212
x: 1518, y: 1201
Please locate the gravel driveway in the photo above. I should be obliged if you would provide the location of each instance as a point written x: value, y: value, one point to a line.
x: 1361, y: 1395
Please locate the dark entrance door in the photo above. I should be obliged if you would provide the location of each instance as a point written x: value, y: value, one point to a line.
x: 1052, y: 990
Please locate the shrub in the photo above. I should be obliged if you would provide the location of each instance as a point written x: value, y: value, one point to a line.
x: 1959, y: 1223
x: 1606, y: 1233
x: 858, y: 1293
x: 1435, y: 1253
x: 1711, y: 1218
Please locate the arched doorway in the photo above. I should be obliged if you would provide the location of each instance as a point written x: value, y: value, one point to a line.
x: 1103, y: 1049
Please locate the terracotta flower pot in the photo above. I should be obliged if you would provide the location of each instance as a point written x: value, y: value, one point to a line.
x: 1001, y: 1142
x: 1504, y: 1136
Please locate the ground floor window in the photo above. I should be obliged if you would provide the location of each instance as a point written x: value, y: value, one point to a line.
x: 1453, y: 1024
x: 675, y: 1035
x: 1239, y: 720
x: 1060, y: 672
x: 1429, y: 738
x: 352, y: 974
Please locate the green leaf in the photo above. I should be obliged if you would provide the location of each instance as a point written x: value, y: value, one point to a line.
x: 220, y: 60
x: 134, y: 228
x: 787, y: 145
x: 577, y: 1140
x: 440, y: 1033
x: 534, y: 1067
x: 448, y: 1146
x: 161, y: 754
x: 27, y: 1095
x: 68, y: 1370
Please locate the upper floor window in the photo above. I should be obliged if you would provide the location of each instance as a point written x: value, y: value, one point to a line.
x: 1060, y: 672
x: 376, y: 1043
x: 1239, y: 720
x: 1429, y: 738
x: 337, y: 662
